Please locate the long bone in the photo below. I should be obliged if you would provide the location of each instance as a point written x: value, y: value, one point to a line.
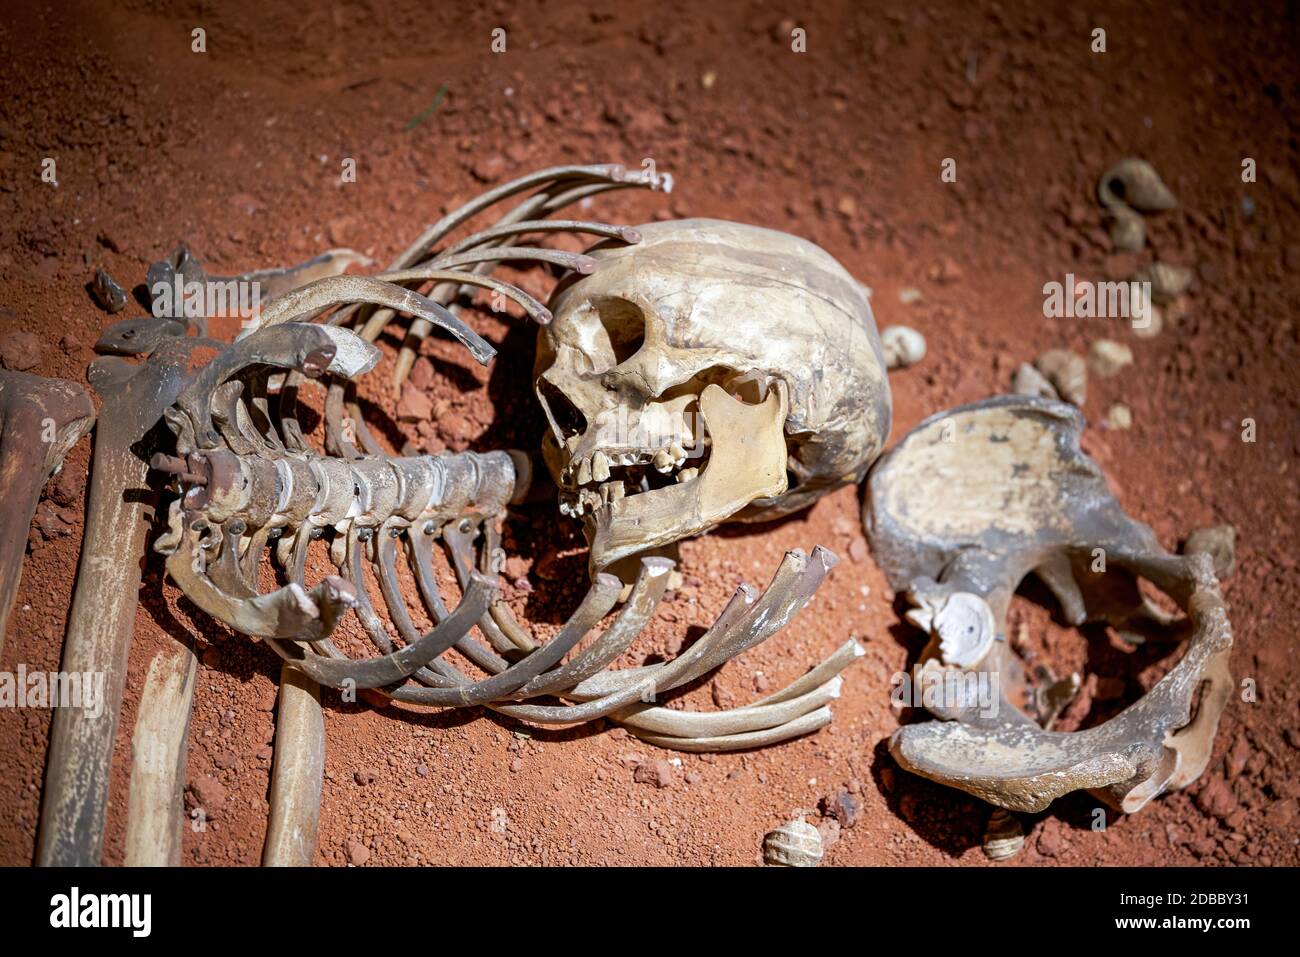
x: 40, y: 420
x: 102, y: 617
x: 959, y: 513
x: 100, y: 625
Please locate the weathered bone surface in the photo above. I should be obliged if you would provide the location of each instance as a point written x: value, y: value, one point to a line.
x: 102, y: 619
x: 713, y: 371
x: 964, y: 508
x: 249, y: 482
x: 40, y: 420
x: 241, y: 488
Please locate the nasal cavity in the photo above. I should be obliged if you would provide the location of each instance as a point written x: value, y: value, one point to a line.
x: 564, y: 415
x: 624, y: 324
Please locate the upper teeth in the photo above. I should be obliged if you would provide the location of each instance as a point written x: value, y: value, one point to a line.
x: 577, y: 497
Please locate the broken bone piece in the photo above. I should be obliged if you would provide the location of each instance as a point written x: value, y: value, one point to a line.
x: 1134, y: 182
x: 1067, y: 372
x: 677, y: 344
x: 40, y: 420
x: 903, y: 346
x: 975, y: 499
x: 794, y: 844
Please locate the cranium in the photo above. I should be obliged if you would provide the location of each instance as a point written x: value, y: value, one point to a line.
x: 963, y: 509
x: 713, y: 371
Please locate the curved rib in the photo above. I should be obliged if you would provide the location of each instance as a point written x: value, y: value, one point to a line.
x: 600, y: 598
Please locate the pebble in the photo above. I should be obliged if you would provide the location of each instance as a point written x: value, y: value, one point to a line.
x: 357, y: 853
x: 843, y: 807
x: 414, y: 405
x: 20, y: 351
x: 1119, y: 416
x: 659, y: 773
x: 207, y: 793
x: 1107, y: 357
x: 107, y: 292
x: 364, y: 776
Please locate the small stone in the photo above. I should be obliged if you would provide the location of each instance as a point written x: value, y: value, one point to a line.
x: 843, y: 807
x: 422, y: 770
x: 489, y: 169
x: 20, y: 351
x: 516, y: 765
x: 1050, y: 843
x: 365, y: 776
x: 909, y: 295
x: 659, y: 773
x: 1119, y: 416
x: 207, y: 794
x: 1107, y: 357
x: 66, y: 487
x: 357, y: 853
x: 414, y: 405
x: 107, y: 292
x: 858, y: 550
x: 1215, y: 797
x: 829, y: 829
x: 846, y: 206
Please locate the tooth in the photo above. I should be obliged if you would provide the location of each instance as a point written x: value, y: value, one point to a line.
x: 663, y: 463
x: 615, y: 491
x: 599, y: 467
x: 584, y: 471
x: 578, y: 508
x: 678, y: 453
x: 564, y: 508
x: 686, y: 475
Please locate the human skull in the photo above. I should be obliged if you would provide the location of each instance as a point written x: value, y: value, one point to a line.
x: 712, y: 371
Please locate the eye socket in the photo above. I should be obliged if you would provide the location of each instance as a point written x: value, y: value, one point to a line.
x: 624, y: 325
x: 564, y: 415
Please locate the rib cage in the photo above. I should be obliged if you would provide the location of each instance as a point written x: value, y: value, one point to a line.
x: 248, y: 480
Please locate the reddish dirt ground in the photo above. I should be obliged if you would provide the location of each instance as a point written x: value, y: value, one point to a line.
x: 237, y: 151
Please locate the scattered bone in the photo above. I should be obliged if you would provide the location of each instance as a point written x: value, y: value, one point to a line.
x: 101, y: 621
x: 40, y: 420
x: 1004, y: 837
x: 155, y: 822
x: 1067, y: 372
x: 902, y: 346
x: 1119, y: 416
x: 1134, y: 182
x: 1128, y: 230
x: 1108, y: 357
x: 1009, y: 494
x: 1217, y: 541
x: 1168, y: 281
x: 297, y: 774
x: 794, y: 844
x: 107, y: 292
x: 1029, y: 381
